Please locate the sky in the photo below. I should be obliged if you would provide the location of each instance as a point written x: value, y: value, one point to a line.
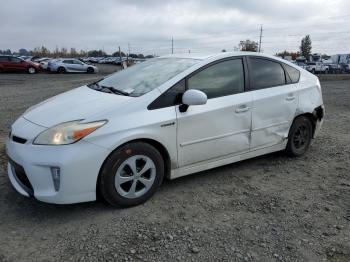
x: 196, y: 26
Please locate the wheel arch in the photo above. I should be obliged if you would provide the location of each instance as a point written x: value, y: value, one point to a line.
x: 316, y: 115
x: 156, y: 144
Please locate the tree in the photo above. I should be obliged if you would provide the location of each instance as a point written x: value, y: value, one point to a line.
x: 306, y: 47
x: 149, y: 56
x: 23, y: 51
x: 223, y: 50
x: 248, y: 45
x: 285, y: 53
x: 133, y: 55
x: 6, y: 52
x: 96, y: 53
x: 117, y: 54
x: 140, y: 56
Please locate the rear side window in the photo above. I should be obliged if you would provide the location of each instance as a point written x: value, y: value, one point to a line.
x: 266, y: 73
x: 221, y: 79
x: 3, y: 59
x: 15, y: 60
x: 294, y: 74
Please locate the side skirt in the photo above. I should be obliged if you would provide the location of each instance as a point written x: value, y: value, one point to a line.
x: 205, y: 165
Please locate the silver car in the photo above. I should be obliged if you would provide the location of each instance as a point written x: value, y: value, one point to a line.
x: 70, y: 65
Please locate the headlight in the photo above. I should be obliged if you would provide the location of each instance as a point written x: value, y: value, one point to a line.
x: 67, y: 133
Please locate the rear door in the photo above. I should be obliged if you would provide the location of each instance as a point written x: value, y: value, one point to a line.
x: 221, y: 127
x: 275, y: 100
x: 4, y: 62
x: 16, y: 64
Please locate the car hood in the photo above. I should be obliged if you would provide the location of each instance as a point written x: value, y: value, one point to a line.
x: 79, y: 103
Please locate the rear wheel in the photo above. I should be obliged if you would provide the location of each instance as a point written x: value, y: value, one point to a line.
x: 31, y: 70
x: 61, y: 70
x: 313, y: 71
x: 131, y: 174
x: 90, y: 70
x: 300, y: 135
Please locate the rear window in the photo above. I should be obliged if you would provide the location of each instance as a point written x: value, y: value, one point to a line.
x: 266, y: 73
x: 293, y: 73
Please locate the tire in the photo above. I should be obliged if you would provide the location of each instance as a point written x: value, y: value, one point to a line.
x: 31, y: 70
x: 326, y: 72
x: 119, y: 185
x: 90, y: 70
x: 299, y: 138
x: 1, y: 70
x: 313, y: 71
x: 61, y: 70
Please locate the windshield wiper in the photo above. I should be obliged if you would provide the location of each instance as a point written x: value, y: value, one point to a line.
x: 115, y: 90
x: 108, y: 89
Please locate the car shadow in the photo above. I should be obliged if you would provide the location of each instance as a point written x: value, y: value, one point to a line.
x: 18, y: 206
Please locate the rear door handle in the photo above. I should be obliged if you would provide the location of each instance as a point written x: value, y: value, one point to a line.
x: 242, y: 109
x: 290, y: 98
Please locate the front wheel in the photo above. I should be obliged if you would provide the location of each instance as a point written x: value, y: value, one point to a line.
x: 31, y: 70
x: 61, y: 70
x: 299, y: 138
x: 131, y: 174
x: 90, y: 70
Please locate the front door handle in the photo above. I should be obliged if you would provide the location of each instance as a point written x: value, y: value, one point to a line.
x: 242, y: 109
x: 290, y: 98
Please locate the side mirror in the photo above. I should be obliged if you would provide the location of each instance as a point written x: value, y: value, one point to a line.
x: 192, y: 97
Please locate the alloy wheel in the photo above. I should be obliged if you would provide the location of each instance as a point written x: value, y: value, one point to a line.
x: 135, y: 176
x: 301, y: 137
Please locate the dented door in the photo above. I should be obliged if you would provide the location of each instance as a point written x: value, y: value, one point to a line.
x: 273, y: 112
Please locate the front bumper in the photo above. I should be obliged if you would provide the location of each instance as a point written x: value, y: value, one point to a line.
x: 79, y: 165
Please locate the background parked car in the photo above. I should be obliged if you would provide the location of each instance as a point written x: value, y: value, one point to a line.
x: 317, y: 67
x: 12, y: 63
x: 43, y: 62
x: 70, y: 65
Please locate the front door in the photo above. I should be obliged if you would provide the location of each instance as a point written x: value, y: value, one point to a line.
x: 221, y: 127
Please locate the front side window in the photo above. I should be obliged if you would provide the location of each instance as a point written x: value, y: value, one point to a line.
x: 221, y: 79
x: 266, y: 73
x: 146, y: 76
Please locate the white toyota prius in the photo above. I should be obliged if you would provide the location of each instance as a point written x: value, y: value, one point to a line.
x: 164, y: 118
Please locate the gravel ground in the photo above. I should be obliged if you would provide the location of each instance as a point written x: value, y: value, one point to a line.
x: 270, y: 208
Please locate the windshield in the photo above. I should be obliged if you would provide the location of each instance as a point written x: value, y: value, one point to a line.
x: 146, y: 76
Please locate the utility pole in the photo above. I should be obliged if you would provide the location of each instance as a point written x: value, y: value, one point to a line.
x: 120, y: 57
x: 172, y: 45
x: 261, y: 31
x: 127, y: 58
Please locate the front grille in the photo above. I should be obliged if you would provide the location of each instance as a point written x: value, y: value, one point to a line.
x: 21, y: 177
x: 18, y: 139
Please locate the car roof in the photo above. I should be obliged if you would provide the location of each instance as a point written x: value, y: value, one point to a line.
x: 203, y: 56
x: 216, y: 56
